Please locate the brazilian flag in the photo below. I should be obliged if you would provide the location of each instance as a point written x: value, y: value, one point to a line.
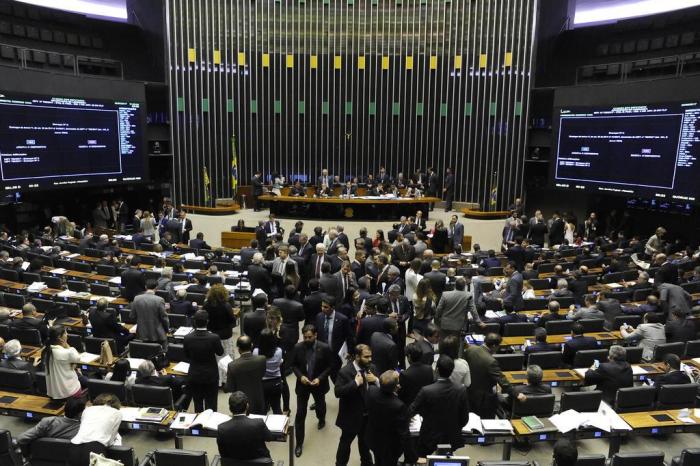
x: 234, y: 165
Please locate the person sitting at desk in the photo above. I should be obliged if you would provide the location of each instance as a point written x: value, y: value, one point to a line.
x: 588, y: 311
x: 348, y: 190
x: 552, y: 315
x: 121, y: 372
x: 199, y: 284
x: 199, y: 243
x: 297, y: 190
x: 323, y: 191
x: 541, y: 344
x: 651, y: 305
x: 679, y: 328
x: 29, y: 321
x: 60, y: 427
x: 242, y: 438
x: 562, y: 290
x: 12, y: 359
x: 673, y: 375
x: 649, y: 334
x: 99, y: 429
x: 534, y: 385
x: 62, y: 380
x: 609, y: 376
x: 577, y: 342
x: 104, y: 325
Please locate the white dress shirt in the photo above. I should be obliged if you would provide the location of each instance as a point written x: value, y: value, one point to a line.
x: 99, y: 424
x: 61, y: 379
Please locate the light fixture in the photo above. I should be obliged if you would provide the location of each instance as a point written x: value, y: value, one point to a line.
x: 115, y: 9
x: 630, y: 9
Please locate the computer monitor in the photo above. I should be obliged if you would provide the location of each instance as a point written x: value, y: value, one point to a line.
x: 448, y: 461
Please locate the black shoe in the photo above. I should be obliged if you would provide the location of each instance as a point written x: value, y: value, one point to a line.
x: 297, y: 451
x: 321, y: 424
x: 312, y: 407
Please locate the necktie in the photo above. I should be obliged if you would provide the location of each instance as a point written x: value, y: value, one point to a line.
x: 396, y: 306
x: 363, y: 373
x: 319, y: 261
x: 310, y: 362
x: 327, y: 328
x: 283, y: 266
x: 273, y: 228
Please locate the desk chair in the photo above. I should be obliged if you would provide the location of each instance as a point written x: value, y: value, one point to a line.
x: 94, y: 345
x: 15, y: 380
x: 692, y: 287
x: 558, y: 327
x: 545, y: 267
x: 69, y: 309
x: 219, y: 461
x: 592, y: 325
x: 583, y: 402
x: 631, y: 320
x: 43, y: 305
x: 100, y: 290
x: 76, y: 341
x: 632, y: 399
x: 8, y: 454
x: 692, y: 348
x: 590, y: 279
x: 164, y: 294
x: 106, y: 269
x: 224, y: 266
x: 26, y: 336
x: 9, y: 274
x: 150, y: 260
x: 585, y: 358
x: 178, y: 320
x: 591, y: 460
x: 622, y: 296
x: 546, y: 359
x: 490, y: 327
x: 30, y: 277
x: 40, y: 383
x: 82, y: 267
x: 634, y: 354
x: 641, y: 295
x: 5, y: 332
x: 15, y: 301
x: 494, y: 272
x: 125, y: 316
x: 142, y: 350
x: 611, y: 277
x: 190, y: 264
x: 90, y: 252
x: 689, y: 457
x: 215, y: 279
x: 198, y: 298
x: 534, y: 304
x: 52, y: 282
x: 655, y: 458
x: 565, y: 301
x: 150, y: 274
x: 506, y: 463
x: 47, y: 451
x: 77, y: 286
x: 669, y: 348
x: 180, y: 277
x: 519, y: 329
x: 677, y: 396
x: 152, y: 396
x: 539, y: 283
x: 98, y: 386
x: 510, y: 362
x: 174, y: 457
x: 175, y: 352
x: 535, y: 405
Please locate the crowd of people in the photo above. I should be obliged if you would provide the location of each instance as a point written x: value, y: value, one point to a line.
x: 382, y: 327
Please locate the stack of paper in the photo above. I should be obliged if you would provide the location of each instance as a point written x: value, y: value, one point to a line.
x: 182, y: 367
x: 116, y: 280
x: 276, y: 422
x: 182, y: 332
x: 72, y: 256
x: 86, y: 358
x: 66, y: 294
x: 129, y: 414
x: 474, y: 425
x: 134, y: 363
x: 637, y: 370
x: 496, y: 426
x: 36, y: 287
x: 415, y: 424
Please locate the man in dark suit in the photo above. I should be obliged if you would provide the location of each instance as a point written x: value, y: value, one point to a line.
x: 247, y: 253
x: 448, y: 189
x: 540, y: 344
x: 455, y: 232
x: 245, y: 374
x: 312, y: 302
x: 678, y: 328
x: 376, y: 309
x: 351, y: 387
x: 201, y: 348
x: 610, y: 307
x: 242, y: 438
x: 611, y: 375
x: 272, y: 226
x: 516, y: 254
x: 333, y: 327
x: 255, y: 321
x: 556, y: 230
x: 305, y: 249
x: 444, y: 407
x: 552, y: 315
x: 292, y: 312
x: 29, y: 321
x: 485, y: 374
x: 297, y: 190
x: 438, y: 280
x: 133, y: 282
x: 418, y: 375
x: 258, y: 276
x: 538, y: 230
x: 104, y: 325
x: 387, y: 427
x: 199, y: 243
x: 312, y: 363
x: 577, y: 342
x: 184, y: 228
x: 433, y: 182
x: 257, y: 190
x: 349, y: 189
x: 329, y: 283
x: 385, y: 351
x: 673, y: 375
x: 513, y: 293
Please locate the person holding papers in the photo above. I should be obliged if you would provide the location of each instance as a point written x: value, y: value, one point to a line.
x: 242, y: 438
x: 351, y: 387
x: 611, y: 375
x: 201, y: 348
x: 444, y: 407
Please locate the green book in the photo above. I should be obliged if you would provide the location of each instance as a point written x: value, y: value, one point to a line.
x: 533, y: 423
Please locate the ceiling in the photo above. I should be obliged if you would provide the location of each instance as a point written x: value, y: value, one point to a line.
x: 589, y: 12
x: 104, y: 9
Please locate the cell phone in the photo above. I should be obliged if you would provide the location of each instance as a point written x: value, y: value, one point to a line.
x: 596, y: 363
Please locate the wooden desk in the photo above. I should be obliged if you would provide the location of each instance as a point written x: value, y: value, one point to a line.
x: 29, y: 406
x: 219, y: 210
x: 644, y: 423
x: 599, y: 336
x: 236, y: 239
x: 553, y: 377
x: 162, y: 426
x: 350, y: 208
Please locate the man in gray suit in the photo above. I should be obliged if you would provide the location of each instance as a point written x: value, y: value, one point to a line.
x: 346, y: 280
x: 149, y: 312
x: 455, y: 231
x: 451, y: 312
x: 673, y: 297
x: 245, y: 374
x: 513, y: 293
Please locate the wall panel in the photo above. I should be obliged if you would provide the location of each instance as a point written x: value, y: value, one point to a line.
x: 350, y: 85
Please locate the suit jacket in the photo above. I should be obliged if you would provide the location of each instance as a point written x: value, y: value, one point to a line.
x: 452, y: 309
x: 444, y: 407
x: 611, y: 308
x: 133, y: 283
x: 368, y: 326
x: 245, y: 374
x: 331, y: 286
x: 30, y: 323
x: 243, y: 438
x: 253, y: 323
x: 312, y: 264
x: 609, y: 377
x: 257, y: 186
x: 437, y: 281
x: 385, y: 352
x: 537, y: 233
x: 351, y: 398
x: 201, y: 348
x: 577, y: 344
x: 325, y: 362
x: 185, y: 235
x: 152, y: 322
x: 556, y: 232
x: 517, y: 255
x: 514, y: 291
x: 540, y: 348
x: 485, y: 374
x: 387, y: 425
x: 671, y: 378
x: 458, y: 235
x: 680, y: 330
x: 104, y: 324
x: 673, y: 296
x: 433, y: 181
x: 199, y: 244
x: 268, y: 227
x: 649, y: 337
x: 259, y: 277
x: 349, y: 191
x: 341, y: 333
x: 402, y: 253
x: 247, y: 256
x: 417, y: 376
x: 305, y: 251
